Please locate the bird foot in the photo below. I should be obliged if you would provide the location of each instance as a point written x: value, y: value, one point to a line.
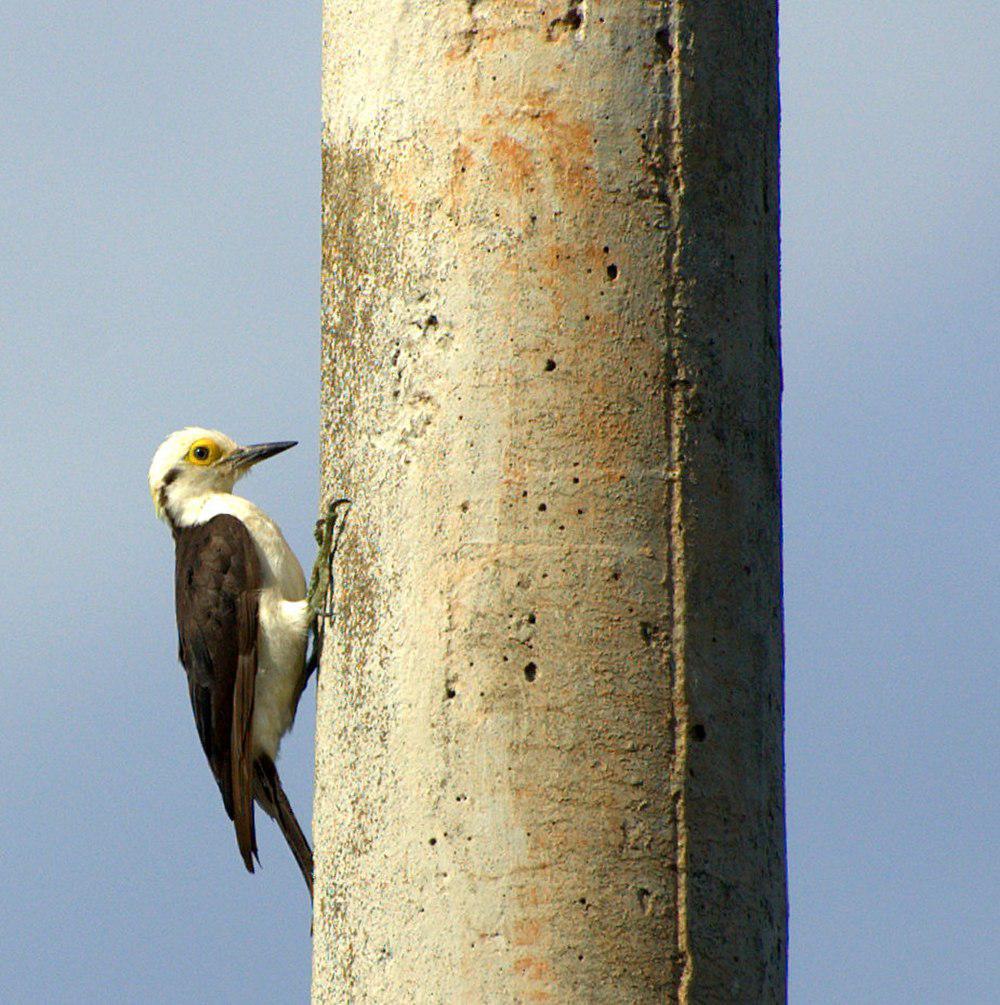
x: 327, y: 533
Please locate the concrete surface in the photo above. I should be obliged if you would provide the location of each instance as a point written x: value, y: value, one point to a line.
x: 549, y: 748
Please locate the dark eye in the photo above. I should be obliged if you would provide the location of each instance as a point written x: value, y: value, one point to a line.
x: 200, y: 453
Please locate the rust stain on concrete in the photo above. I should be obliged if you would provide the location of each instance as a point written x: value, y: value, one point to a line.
x: 515, y: 162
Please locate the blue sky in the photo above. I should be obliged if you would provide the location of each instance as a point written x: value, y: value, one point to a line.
x: 159, y: 234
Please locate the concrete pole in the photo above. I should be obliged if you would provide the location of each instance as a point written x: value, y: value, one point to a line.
x: 549, y: 744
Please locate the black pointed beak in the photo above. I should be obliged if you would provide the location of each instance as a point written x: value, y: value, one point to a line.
x: 246, y: 457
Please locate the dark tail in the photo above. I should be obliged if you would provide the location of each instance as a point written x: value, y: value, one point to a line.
x: 268, y: 792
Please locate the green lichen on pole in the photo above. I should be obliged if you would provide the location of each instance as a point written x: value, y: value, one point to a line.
x: 549, y: 741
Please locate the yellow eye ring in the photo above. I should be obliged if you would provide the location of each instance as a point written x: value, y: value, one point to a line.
x: 203, y: 452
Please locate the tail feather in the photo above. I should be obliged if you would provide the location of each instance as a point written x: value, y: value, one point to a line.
x: 271, y: 796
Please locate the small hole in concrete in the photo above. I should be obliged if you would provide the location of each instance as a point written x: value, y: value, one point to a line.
x: 612, y: 272
x: 606, y: 249
x: 576, y: 481
x: 432, y: 320
x: 530, y: 672
x: 449, y: 692
x: 433, y: 841
x: 531, y: 618
x: 542, y: 507
x: 550, y: 365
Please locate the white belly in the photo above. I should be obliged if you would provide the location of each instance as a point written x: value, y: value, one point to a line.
x: 281, y: 653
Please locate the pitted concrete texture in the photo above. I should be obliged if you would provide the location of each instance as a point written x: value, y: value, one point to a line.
x: 549, y: 742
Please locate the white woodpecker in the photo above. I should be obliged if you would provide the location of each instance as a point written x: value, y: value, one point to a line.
x: 243, y: 621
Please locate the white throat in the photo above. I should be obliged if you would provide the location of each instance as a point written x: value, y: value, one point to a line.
x: 188, y: 506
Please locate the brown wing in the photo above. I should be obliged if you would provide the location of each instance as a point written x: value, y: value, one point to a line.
x: 217, y: 593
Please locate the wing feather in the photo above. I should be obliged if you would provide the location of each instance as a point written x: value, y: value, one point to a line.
x: 241, y: 746
x: 217, y: 594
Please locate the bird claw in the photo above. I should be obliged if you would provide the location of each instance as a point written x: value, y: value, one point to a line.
x: 328, y: 532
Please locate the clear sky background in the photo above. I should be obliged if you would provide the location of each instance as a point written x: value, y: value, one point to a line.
x: 159, y: 265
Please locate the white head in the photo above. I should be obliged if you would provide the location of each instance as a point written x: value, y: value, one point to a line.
x: 193, y: 464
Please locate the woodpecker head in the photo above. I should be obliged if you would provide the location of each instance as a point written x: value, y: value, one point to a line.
x: 194, y: 463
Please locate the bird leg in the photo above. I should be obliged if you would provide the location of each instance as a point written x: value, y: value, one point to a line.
x: 328, y: 533
x: 327, y: 537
